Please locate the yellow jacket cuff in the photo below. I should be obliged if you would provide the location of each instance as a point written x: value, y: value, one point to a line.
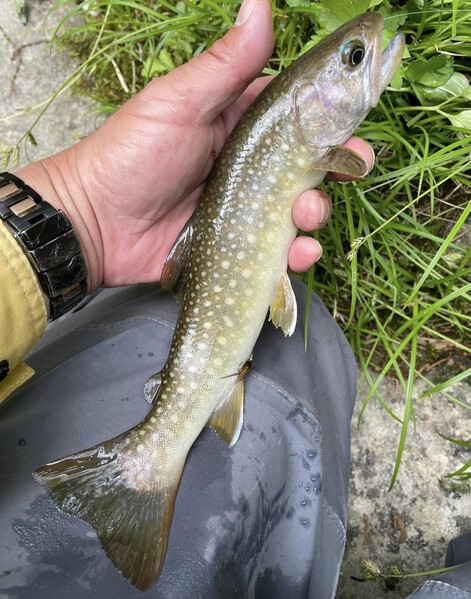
x: 23, y: 313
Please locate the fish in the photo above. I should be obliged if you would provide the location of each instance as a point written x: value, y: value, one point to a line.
x: 228, y: 268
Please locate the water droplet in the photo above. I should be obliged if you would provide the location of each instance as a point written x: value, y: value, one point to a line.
x: 308, y: 487
x: 306, y: 465
x: 305, y: 502
x: 311, y: 454
x: 22, y: 442
x: 315, y: 477
x: 305, y: 523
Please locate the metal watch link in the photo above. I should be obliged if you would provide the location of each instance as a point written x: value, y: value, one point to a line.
x: 49, y: 241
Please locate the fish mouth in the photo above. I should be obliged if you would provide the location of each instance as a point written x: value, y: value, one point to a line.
x: 384, y: 64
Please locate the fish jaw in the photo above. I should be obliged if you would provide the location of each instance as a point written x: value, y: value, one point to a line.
x: 390, y: 60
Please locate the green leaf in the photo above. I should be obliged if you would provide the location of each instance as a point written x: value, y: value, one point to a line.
x: 398, y: 79
x: 296, y: 3
x: 462, y: 120
x: 431, y: 73
x: 393, y: 19
x: 344, y: 10
x: 455, y: 86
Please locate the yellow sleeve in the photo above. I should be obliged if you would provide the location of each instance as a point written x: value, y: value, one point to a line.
x: 23, y: 314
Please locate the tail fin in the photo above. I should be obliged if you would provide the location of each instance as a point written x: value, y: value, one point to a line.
x: 132, y: 524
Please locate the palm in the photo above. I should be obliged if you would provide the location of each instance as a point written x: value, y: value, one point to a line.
x: 153, y: 166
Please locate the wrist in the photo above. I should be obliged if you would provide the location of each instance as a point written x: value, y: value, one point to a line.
x: 56, y: 180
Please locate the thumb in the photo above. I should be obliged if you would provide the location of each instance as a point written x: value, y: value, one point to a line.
x: 212, y: 81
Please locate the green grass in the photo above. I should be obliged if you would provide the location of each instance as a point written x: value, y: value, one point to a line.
x: 396, y: 270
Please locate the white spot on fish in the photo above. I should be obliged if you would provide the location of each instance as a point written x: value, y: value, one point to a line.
x: 225, y: 264
x: 246, y: 273
x: 221, y: 340
x: 207, y: 325
x: 217, y: 288
x: 230, y: 301
x: 228, y: 321
x: 301, y: 162
x: 140, y: 448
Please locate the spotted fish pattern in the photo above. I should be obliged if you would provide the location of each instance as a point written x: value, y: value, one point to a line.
x: 228, y: 269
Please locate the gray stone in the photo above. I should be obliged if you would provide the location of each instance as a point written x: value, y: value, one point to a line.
x: 31, y: 73
x: 409, y: 526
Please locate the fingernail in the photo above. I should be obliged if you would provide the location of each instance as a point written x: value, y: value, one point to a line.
x: 373, y: 158
x: 245, y: 11
x: 326, y: 209
x: 320, y: 250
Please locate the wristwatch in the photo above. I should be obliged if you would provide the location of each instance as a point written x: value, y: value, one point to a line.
x: 48, y: 239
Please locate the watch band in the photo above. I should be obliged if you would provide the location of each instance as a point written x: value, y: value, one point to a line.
x: 48, y: 239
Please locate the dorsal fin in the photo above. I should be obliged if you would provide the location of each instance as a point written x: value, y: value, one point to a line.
x: 173, y: 272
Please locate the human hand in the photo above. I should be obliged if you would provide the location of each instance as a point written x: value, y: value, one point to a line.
x: 130, y: 187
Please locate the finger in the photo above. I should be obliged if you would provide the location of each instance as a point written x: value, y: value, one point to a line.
x: 312, y: 210
x: 303, y: 253
x: 214, y: 79
x: 359, y: 146
x: 232, y: 115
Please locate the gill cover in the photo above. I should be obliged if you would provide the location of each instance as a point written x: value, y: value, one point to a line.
x: 341, y: 79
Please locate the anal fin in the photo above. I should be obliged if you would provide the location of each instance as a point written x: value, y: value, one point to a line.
x: 228, y: 417
x: 283, y: 307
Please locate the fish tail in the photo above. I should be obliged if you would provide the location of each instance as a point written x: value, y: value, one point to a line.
x: 132, y: 519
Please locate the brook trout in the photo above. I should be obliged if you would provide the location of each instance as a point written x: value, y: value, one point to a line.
x: 228, y: 267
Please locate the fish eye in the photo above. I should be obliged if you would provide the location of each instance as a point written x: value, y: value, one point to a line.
x: 353, y: 53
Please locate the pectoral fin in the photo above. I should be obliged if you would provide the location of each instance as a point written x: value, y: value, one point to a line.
x: 227, y: 419
x: 173, y: 272
x: 345, y: 161
x: 283, y: 307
